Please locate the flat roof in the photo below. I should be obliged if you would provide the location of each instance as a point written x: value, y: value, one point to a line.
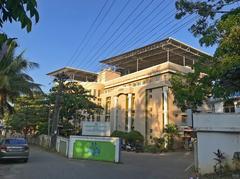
x: 154, y: 54
x: 74, y: 73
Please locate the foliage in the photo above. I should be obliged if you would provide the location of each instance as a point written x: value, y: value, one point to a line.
x: 207, y: 21
x: 13, y: 78
x: 236, y: 160
x: 157, y: 147
x: 159, y: 143
x: 30, y: 116
x: 67, y: 129
x: 134, y: 137
x: 152, y: 149
x: 74, y: 99
x: 219, y: 166
x: 170, y: 132
x: 19, y: 11
x: 189, y: 90
x: 71, y: 104
x: 120, y: 134
x: 217, y: 76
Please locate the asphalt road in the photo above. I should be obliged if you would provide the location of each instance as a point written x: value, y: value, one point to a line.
x: 45, y: 165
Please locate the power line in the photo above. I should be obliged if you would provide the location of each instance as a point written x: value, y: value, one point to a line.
x: 177, y: 29
x: 173, y: 31
x: 144, y: 30
x: 87, y: 33
x: 119, y: 35
x: 109, y: 27
x: 137, y: 25
x: 119, y: 27
x: 96, y: 28
x: 139, y: 38
x: 166, y: 25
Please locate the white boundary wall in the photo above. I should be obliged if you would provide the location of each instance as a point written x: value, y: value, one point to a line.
x: 216, y: 131
x: 59, y: 148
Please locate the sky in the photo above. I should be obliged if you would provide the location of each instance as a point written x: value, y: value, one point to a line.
x: 80, y: 33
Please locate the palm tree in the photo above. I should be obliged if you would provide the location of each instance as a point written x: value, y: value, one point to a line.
x: 14, y: 81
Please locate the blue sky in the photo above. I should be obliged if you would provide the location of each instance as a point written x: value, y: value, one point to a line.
x: 63, y: 27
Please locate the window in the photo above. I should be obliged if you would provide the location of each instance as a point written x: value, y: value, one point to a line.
x: 229, y: 107
x: 94, y: 92
x: 99, y: 93
x: 107, y: 109
x: 15, y: 141
x: 184, y: 118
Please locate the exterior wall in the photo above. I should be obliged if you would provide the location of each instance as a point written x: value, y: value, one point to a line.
x: 219, y: 106
x: 216, y: 131
x: 209, y: 142
x: 145, y: 90
x: 107, y: 75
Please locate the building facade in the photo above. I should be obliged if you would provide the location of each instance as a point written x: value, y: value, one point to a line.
x: 134, y: 87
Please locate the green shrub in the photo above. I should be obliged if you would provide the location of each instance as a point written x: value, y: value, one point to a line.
x: 170, y: 132
x: 159, y: 143
x: 119, y: 134
x: 151, y: 149
x: 134, y: 137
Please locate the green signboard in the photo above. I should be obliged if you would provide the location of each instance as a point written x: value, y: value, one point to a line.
x: 95, y: 150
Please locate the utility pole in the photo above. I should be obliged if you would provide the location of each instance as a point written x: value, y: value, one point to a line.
x: 60, y: 79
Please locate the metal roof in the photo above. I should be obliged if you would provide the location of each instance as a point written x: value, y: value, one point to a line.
x: 74, y: 73
x: 154, y: 54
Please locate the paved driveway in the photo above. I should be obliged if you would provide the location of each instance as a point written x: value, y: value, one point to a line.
x: 45, y: 165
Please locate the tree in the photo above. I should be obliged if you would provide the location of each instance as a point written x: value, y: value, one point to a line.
x: 30, y: 115
x: 19, y: 11
x: 14, y: 81
x: 74, y: 98
x: 69, y: 99
x: 217, y: 76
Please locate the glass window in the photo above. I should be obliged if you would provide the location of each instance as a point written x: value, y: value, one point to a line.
x: 229, y: 107
x: 15, y: 141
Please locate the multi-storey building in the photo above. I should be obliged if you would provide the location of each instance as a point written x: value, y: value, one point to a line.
x: 134, y: 88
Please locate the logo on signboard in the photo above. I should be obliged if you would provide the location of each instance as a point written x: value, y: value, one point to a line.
x: 94, y: 149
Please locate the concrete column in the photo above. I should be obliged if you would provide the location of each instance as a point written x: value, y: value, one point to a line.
x: 129, y: 112
x: 237, y: 108
x: 115, y: 113
x: 137, y: 63
x: 168, y: 55
x: 165, y: 105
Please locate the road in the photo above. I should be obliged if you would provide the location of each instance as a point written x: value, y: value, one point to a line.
x: 46, y: 165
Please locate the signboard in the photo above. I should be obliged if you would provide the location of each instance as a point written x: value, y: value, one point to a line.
x: 96, y: 128
x: 94, y: 148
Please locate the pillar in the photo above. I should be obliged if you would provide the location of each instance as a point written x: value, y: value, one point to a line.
x: 129, y: 112
x: 165, y: 106
x: 115, y: 114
